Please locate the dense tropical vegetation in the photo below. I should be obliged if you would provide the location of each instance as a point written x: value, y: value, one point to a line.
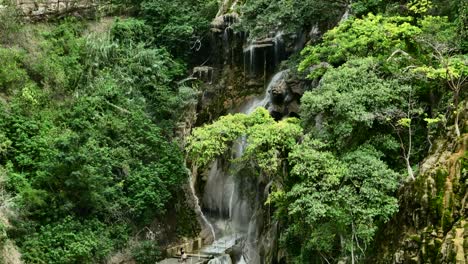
x: 88, y: 118
x: 389, y: 82
x: 87, y: 125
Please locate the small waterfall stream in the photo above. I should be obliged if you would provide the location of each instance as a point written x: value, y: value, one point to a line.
x: 231, y: 199
x: 198, y: 208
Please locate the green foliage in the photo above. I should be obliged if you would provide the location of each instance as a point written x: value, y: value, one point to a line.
x: 147, y: 72
x: 268, y: 144
x: 3, y: 234
x: 420, y: 6
x: 59, y: 64
x: 455, y: 67
x: 363, y: 7
x: 4, y: 145
x: 371, y: 100
x: 351, y: 100
x: 12, y: 75
x: 146, y: 252
x: 462, y: 25
x: 178, y: 24
x: 267, y: 140
x: 131, y: 30
x: 68, y: 241
x: 10, y: 22
x: 339, y: 203
x: 438, y: 33
x: 86, y: 138
x: 116, y: 160
x: 262, y: 17
x: 210, y: 141
x: 373, y: 35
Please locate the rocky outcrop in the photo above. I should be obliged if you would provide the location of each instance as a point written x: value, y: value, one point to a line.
x: 286, y: 95
x: 432, y: 225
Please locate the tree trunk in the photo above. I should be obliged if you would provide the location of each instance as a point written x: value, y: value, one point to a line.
x: 410, y: 170
x: 457, y: 114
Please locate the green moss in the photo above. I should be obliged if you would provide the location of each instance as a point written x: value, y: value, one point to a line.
x: 432, y: 250
x: 441, y: 177
x: 416, y: 238
x: 447, y: 220
x: 436, y: 204
x: 187, y: 225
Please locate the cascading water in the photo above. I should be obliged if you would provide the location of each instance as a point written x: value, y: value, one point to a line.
x: 278, y: 42
x: 224, y: 259
x: 198, y: 208
x: 261, y: 56
x: 230, y: 197
x: 264, y: 99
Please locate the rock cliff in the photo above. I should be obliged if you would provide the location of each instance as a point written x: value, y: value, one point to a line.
x: 432, y: 224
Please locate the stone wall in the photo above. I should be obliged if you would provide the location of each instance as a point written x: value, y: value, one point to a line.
x: 40, y: 10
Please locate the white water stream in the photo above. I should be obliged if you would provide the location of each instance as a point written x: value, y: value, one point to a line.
x: 227, y: 199
x: 198, y: 208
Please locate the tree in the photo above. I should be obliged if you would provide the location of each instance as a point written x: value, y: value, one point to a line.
x: 178, y: 24
x: 338, y: 202
x: 10, y: 22
x: 373, y: 35
x: 12, y: 75
x: 442, y: 61
x: 262, y: 17
x: 350, y: 102
x: 402, y: 122
x: 453, y: 70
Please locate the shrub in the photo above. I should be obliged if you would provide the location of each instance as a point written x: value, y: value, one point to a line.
x: 131, y: 30
x: 12, y: 75
x: 10, y: 22
x: 68, y: 241
x: 146, y: 252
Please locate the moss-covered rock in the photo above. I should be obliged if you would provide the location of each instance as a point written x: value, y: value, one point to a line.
x: 431, y: 226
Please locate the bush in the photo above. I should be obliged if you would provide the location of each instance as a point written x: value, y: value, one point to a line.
x: 59, y: 64
x: 146, y: 252
x: 88, y: 142
x: 131, y: 30
x: 177, y: 24
x: 12, y: 75
x: 10, y: 23
x: 68, y: 241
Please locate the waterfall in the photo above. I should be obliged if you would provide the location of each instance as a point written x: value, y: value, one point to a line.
x: 227, y: 197
x: 198, y: 208
x: 264, y: 99
x: 224, y: 259
x: 278, y: 42
x: 252, y: 59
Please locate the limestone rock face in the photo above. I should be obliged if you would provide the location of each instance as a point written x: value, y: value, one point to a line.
x: 278, y: 92
x: 286, y: 95
x: 432, y: 225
